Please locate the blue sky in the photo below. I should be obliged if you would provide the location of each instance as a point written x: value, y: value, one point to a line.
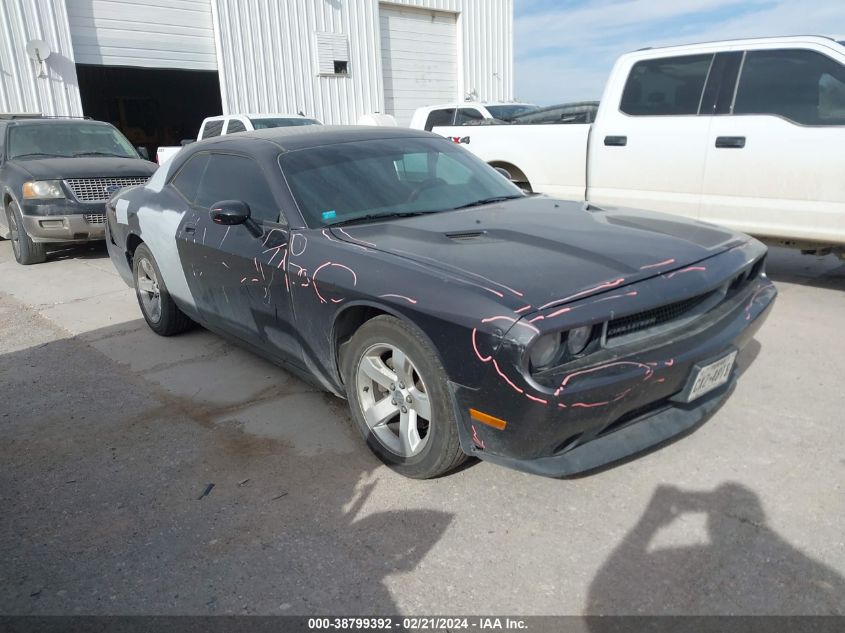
x: 564, y: 49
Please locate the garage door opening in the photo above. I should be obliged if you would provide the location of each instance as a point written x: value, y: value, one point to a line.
x: 151, y: 106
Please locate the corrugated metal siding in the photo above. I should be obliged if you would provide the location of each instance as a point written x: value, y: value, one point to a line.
x: 150, y: 34
x: 266, y: 54
x: 21, y: 90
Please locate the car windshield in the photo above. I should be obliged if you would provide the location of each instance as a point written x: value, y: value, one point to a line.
x: 67, y: 140
x: 264, y: 124
x: 507, y: 112
x: 349, y: 182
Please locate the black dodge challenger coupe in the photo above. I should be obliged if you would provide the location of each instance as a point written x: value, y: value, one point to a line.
x: 456, y: 314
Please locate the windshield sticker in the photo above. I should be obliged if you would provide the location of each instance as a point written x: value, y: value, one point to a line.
x: 329, y: 215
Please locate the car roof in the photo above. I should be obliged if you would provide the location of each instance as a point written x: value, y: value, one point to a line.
x: 54, y: 121
x: 278, y: 115
x: 483, y: 104
x: 302, y: 137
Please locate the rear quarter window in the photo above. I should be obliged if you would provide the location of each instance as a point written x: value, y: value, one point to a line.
x: 212, y: 128
x: 440, y: 117
x: 665, y: 87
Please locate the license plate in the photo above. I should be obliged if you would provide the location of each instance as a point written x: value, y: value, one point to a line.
x: 711, y: 376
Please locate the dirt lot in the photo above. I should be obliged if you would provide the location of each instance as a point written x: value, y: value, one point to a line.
x: 112, y: 438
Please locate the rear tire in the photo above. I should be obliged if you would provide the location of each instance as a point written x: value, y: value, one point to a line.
x: 160, y: 311
x: 399, y: 399
x: 26, y: 251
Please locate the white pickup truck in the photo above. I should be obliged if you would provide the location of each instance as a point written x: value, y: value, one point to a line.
x: 232, y: 123
x: 749, y: 134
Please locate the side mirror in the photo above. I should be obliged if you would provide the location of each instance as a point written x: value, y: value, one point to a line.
x: 186, y: 141
x: 142, y: 152
x: 504, y: 172
x: 230, y: 212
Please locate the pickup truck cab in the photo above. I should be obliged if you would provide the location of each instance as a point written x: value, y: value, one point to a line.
x: 232, y: 123
x: 746, y: 133
x: 55, y: 177
x: 466, y: 113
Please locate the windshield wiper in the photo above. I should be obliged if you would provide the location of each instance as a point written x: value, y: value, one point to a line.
x: 374, y: 217
x: 483, y: 201
x: 99, y: 154
x: 38, y: 154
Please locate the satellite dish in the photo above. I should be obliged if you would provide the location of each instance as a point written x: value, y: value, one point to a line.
x: 38, y: 50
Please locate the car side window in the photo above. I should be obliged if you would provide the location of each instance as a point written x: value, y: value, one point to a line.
x: 231, y: 177
x: 466, y: 115
x: 665, y: 87
x: 235, y: 126
x: 187, y: 180
x: 439, y: 117
x: 802, y: 86
x: 212, y: 128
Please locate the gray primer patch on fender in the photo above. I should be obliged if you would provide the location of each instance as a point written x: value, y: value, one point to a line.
x: 158, y: 230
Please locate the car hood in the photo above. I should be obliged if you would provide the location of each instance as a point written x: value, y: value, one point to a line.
x: 543, y: 252
x: 86, y: 167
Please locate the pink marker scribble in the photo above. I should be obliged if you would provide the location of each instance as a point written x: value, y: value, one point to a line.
x: 568, y: 377
x: 589, y: 291
x: 686, y: 270
x: 590, y: 405
x: 336, y: 265
x: 475, y: 439
x: 658, y: 264
x: 523, y: 309
x: 408, y: 299
x: 357, y: 240
x: 633, y: 293
x: 751, y: 302
x: 298, y: 238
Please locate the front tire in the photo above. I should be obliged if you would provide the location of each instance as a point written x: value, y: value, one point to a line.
x: 399, y: 399
x: 160, y: 311
x: 26, y: 251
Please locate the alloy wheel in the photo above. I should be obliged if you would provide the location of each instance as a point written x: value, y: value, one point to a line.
x: 394, y: 399
x: 148, y: 290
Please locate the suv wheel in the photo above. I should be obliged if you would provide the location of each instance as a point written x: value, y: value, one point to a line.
x: 26, y: 251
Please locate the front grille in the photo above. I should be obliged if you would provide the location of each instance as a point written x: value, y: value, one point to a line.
x: 651, y: 318
x: 95, y: 218
x: 94, y: 189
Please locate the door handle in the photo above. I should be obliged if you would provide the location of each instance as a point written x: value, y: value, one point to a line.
x: 735, y: 142
x: 616, y: 141
x: 190, y: 228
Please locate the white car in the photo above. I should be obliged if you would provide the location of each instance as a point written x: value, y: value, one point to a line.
x: 745, y: 133
x: 232, y: 123
x: 466, y: 113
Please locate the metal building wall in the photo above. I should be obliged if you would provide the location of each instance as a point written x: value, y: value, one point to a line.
x: 266, y: 54
x: 21, y: 90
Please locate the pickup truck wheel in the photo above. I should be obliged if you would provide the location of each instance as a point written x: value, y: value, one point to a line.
x: 399, y: 399
x: 26, y: 251
x: 160, y: 311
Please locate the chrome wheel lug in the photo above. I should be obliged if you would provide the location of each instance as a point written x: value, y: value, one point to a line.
x: 401, y: 385
x: 409, y: 399
x: 404, y: 410
x: 392, y: 387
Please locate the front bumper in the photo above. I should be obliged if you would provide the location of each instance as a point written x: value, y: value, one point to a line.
x: 63, y: 221
x: 623, y: 408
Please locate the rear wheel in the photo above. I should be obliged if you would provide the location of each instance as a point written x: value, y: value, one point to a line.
x: 160, y: 311
x: 26, y: 251
x: 399, y: 399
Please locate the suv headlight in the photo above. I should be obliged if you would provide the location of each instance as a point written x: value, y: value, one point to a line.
x: 43, y: 189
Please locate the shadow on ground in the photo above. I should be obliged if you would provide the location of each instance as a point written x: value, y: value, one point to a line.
x: 122, y: 496
x: 737, y: 564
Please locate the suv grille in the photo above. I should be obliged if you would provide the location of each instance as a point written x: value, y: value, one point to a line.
x: 94, y: 189
x: 651, y: 318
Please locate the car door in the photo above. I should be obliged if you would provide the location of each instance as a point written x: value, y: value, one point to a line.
x: 647, y: 148
x: 234, y: 271
x: 466, y: 116
x: 774, y: 158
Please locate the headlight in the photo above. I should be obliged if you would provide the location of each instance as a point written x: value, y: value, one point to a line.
x: 577, y: 339
x: 544, y: 350
x: 43, y: 189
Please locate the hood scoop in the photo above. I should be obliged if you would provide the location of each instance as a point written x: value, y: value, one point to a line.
x: 466, y: 236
